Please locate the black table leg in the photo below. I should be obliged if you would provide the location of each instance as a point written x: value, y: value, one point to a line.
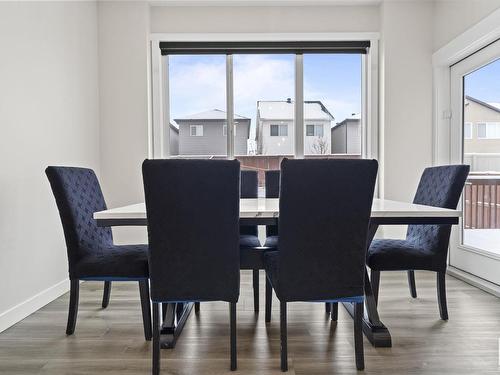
x: 175, y: 316
x: 375, y: 331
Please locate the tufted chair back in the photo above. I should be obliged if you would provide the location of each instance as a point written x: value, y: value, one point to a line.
x: 78, y: 195
x: 438, y: 187
x: 193, y: 226
x: 325, y: 208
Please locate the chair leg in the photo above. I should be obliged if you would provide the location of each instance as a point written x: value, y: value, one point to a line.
x: 283, y: 337
x: 441, y: 292
x: 335, y: 311
x: 156, y: 339
x: 232, y: 318
x: 106, y: 294
x: 411, y: 284
x: 375, y: 281
x: 196, y: 307
x: 256, y: 290
x: 269, y: 299
x: 146, y: 308
x: 73, y: 306
x: 358, y: 336
x: 328, y: 307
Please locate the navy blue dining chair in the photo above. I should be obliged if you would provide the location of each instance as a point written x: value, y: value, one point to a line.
x: 425, y: 246
x: 325, y: 209
x: 250, y: 249
x: 272, y: 183
x: 192, y: 208
x: 91, y: 252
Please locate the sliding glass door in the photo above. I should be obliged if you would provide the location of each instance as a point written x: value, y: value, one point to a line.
x: 475, y: 93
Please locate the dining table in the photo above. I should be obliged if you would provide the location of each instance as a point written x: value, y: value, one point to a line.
x: 265, y: 211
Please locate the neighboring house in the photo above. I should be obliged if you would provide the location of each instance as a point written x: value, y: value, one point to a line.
x: 481, y: 135
x: 481, y: 126
x: 205, y: 133
x: 174, y: 140
x: 275, y: 127
x: 346, y: 136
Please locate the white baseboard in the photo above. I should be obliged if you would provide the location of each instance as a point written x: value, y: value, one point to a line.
x: 474, y: 281
x: 19, y: 312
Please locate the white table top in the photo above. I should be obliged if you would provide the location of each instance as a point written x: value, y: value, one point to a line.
x: 269, y: 208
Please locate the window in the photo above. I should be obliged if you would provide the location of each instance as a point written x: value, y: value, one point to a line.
x: 279, y: 130
x: 196, y: 130
x: 197, y: 105
x: 273, y: 90
x: 332, y: 104
x: 488, y: 130
x: 468, y: 130
x: 314, y: 130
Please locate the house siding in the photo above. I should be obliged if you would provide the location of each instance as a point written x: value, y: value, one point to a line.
x: 346, y: 137
x: 213, y: 141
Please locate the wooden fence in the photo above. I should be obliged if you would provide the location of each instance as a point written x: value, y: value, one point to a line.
x: 482, y: 201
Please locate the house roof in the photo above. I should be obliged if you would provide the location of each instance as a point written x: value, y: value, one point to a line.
x: 174, y: 128
x: 284, y: 110
x: 213, y: 114
x: 354, y: 117
x: 493, y: 106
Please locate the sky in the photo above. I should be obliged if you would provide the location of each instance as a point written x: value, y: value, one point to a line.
x: 484, y: 83
x: 197, y: 82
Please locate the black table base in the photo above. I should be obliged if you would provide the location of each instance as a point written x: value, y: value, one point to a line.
x: 174, y: 318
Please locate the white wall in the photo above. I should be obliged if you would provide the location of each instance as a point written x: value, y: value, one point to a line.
x: 265, y: 19
x: 123, y: 88
x: 406, y: 95
x: 453, y: 17
x: 48, y: 115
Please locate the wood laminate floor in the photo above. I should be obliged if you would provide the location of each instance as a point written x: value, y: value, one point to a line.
x: 111, y: 341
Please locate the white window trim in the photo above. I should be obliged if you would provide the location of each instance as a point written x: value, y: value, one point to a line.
x: 471, y: 130
x: 370, y: 96
x: 280, y: 127
x: 191, y: 127
x: 485, y: 130
x: 315, y: 127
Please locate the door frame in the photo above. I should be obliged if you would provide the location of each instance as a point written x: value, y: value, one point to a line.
x: 444, y: 150
x: 467, y: 258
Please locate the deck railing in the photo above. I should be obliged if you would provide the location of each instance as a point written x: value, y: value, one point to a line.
x: 482, y: 201
x: 263, y: 163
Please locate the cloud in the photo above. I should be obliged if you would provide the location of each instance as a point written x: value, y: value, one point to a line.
x: 198, y: 83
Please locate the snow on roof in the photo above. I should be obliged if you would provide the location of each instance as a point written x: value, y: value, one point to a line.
x: 494, y: 104
x: 284, y: 110
x: 214, y: 114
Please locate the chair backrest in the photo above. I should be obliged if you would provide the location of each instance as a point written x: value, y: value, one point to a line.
x: 325, y: 209
x: 249, y: 189
x: 193, y: 226
x: 438, y: 187
x: 272, y: 191
x: 78, y: 195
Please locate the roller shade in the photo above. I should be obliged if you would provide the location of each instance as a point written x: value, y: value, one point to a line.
x: 192, y: 48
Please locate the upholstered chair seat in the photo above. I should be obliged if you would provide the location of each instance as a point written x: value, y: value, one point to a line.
x: 117, y: 262
x: 249, y: 241
x: 400, y: 255
x: 271, y: 241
